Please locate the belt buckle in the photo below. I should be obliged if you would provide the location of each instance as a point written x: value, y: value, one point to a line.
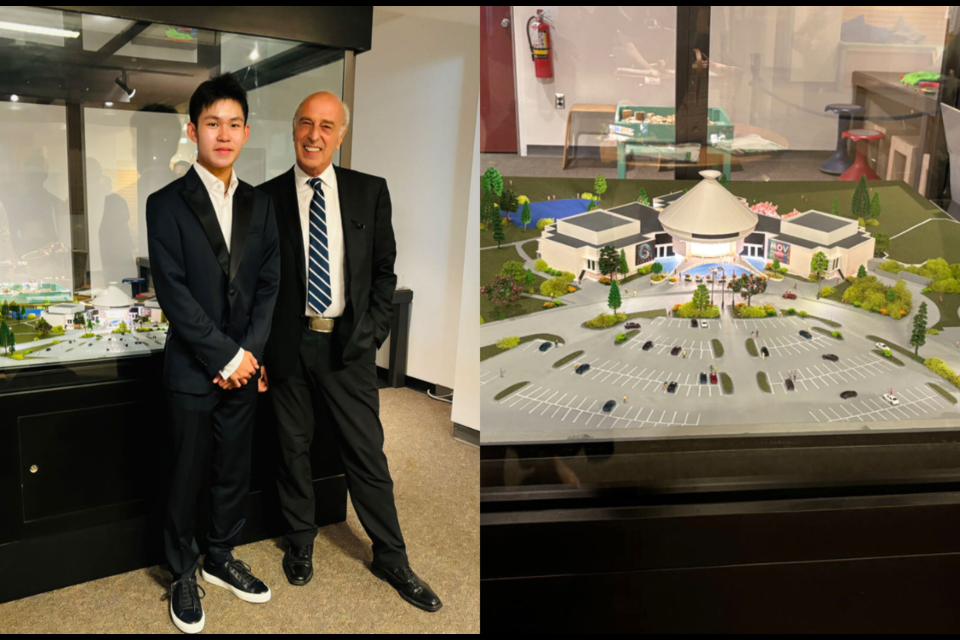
x: 322, y: 325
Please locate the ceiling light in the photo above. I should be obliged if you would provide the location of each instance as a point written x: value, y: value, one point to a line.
x: 255, y: 54
x: 108, y: 104
x: 45, y: 31
x: 14, y: 98
x: 122, y: 82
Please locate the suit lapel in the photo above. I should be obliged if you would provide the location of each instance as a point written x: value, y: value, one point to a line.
x: 351, y: 240
x: 198, y: 199
x: 290, y: 212
x: 242, y: 212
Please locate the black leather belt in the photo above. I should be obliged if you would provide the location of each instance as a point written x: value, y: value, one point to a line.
x: 320, y: 325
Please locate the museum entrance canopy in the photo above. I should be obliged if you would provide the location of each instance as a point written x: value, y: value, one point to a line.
x: 93, y: 115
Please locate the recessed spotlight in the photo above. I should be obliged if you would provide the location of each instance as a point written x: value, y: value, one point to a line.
x: 14, y: 98
x: 108, y: 104
x: 255, y: 54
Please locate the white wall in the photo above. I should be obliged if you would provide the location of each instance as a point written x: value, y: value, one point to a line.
x: 466, y: 401
x: 589, y: 44
x: 414, y: 123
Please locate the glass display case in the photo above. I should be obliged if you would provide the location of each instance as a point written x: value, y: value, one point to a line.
x: 93, y: 114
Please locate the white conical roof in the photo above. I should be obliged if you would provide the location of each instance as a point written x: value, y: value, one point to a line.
x: 708, y: 209
x: 112, y: 298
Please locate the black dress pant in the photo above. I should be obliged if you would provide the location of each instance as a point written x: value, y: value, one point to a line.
x: 224, y: 419
x: 323, y: 391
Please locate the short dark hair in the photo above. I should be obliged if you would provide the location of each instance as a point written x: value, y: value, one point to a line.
x: 223, y: 87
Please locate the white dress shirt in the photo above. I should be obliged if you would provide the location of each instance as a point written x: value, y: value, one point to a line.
x: 223, y: 205
x: 331, y: 201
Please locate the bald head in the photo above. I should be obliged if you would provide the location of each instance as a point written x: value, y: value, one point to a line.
x: 322, y: 97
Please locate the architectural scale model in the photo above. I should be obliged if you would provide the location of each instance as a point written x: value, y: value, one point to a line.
x: 695, y: 313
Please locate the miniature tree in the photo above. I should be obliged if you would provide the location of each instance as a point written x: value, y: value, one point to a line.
x: 748, y: 285
x: 530, y: 277
x: 613, y: 300
x: 509, y: 201
x: 592, y: 205
x: 891, y: 295
x: 488, y: 208
x: 836, y: 207
x: 4, y: 309
x: 15, y: 310
x: 525, y: 215
x: 43, y: 327
x: 492, y: 181
x: 656, y: 268
x: 776, y: 264
x: 89, y: 324
x: 819, y: 265
x: 882, y: 244
x: 4, y: 335
x: 875, y: 205
x: 862, y: 272
x: 919, y: 336
x: 600, y: 185
x: 514, y: 270
x: 498, y: 230
x: 861, y: 199
x: 642, y: 197
x: 701, y: 297
x: 624, y: 268
x: 502, y: 291
x: 609, y: 261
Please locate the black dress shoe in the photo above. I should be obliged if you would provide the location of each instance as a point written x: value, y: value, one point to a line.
x: 235, y: 576
x: 298, y: 564
x: 409, y: 585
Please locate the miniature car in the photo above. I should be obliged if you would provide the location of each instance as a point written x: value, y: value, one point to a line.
x: 713, y: 378
x: 672, y: 387
x: 881, y: 346
x: 704, y: 324
x: 632, y: 325
x: 583, y: 368
x: 675, y: 351
x: 703, y: 378
x: 789, y: 384
x: 693, y: 322
x: 48, y: 348
x: 892, y: 399
x: 609, y: 405
x: 846, y: 395
x: 546, y: 346
x: 806, y: 334
x: 765, y: 352
x: 829, y: 356
x: 789, y: 295
x: 648, y: 345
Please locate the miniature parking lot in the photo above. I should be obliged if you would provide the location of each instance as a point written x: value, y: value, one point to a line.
x: 559, y: 402
x: 72, y: 347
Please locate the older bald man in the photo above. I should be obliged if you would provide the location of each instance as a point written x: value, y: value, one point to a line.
x: 332, y: 314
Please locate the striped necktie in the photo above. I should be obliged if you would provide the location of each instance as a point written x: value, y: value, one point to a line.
x: 319, y: 291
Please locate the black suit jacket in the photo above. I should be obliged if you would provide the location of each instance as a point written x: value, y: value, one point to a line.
x: 216, y: 301
x: 369, y: 281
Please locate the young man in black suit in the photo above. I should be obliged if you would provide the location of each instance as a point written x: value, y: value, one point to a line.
x: 333, y: 312
x: 215, y: 262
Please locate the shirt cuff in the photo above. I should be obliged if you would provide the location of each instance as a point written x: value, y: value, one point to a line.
x: 228, y: 370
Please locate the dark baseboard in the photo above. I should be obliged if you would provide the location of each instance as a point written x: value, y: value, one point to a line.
x: 466, y: 434
x: 556, y: 151
x: 410, y: 382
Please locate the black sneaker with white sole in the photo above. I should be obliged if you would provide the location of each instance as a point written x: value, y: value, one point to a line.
x: 185, y: 609
x: 235, y: 575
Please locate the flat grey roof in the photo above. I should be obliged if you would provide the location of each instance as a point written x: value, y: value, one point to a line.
x: 768, y: 224
x: 648, y: 217
x: 670, y: 197
x: 821, y: 221
x: 576, y: 243
x: 846, y: 243
x: 596, y: 221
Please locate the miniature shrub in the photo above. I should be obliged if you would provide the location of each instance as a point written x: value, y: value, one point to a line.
x: 727, y: 383
x: 605, y: 320
x: 657, y: 277
x: 548, y: 305
x: 887, y: 353
x: 604, y: 280
x: 540, y: 265
x: 571, y: 289
x: 771, y: 312
x: 514, y: 270
x: 676, y: 307
x: 750, y: 312
x: 861, y: 222
x: 791, y: 311
x: 687, y: 310
x: 508, y: 343
x: 569, y: 277
x: 557, y: 303
x: 17, y: 356
x: 784, y: 270
x: 711, y: 312
x: 522, y: 200
x: 802, y: 314
x: 838, y: 335
x: 587, y: 196
x: 858, y: 304
x: 90, y: 335
x: 827, y: 291
x: 948, y: 285
x: 483, y: 227
x: 55, y: 342
x: 543, y: 223
x: 621, y: 337
x: 884, y: 312
x: 932, y: 332
x: 555, y: 287
x: 673, y: 279
x: 926, y: 290
x: 570, y: 357
x: 942, y: 369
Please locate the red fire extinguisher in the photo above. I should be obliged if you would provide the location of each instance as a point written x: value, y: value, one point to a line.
x: 540, y: 49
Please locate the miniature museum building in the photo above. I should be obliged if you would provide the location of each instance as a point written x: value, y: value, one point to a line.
x: 707, y: 225
x: 62, y: 315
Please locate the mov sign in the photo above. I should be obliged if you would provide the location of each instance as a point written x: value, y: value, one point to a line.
x: 779, y: 250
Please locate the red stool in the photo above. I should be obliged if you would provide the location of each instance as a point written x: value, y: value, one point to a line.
x: 862, y: 137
